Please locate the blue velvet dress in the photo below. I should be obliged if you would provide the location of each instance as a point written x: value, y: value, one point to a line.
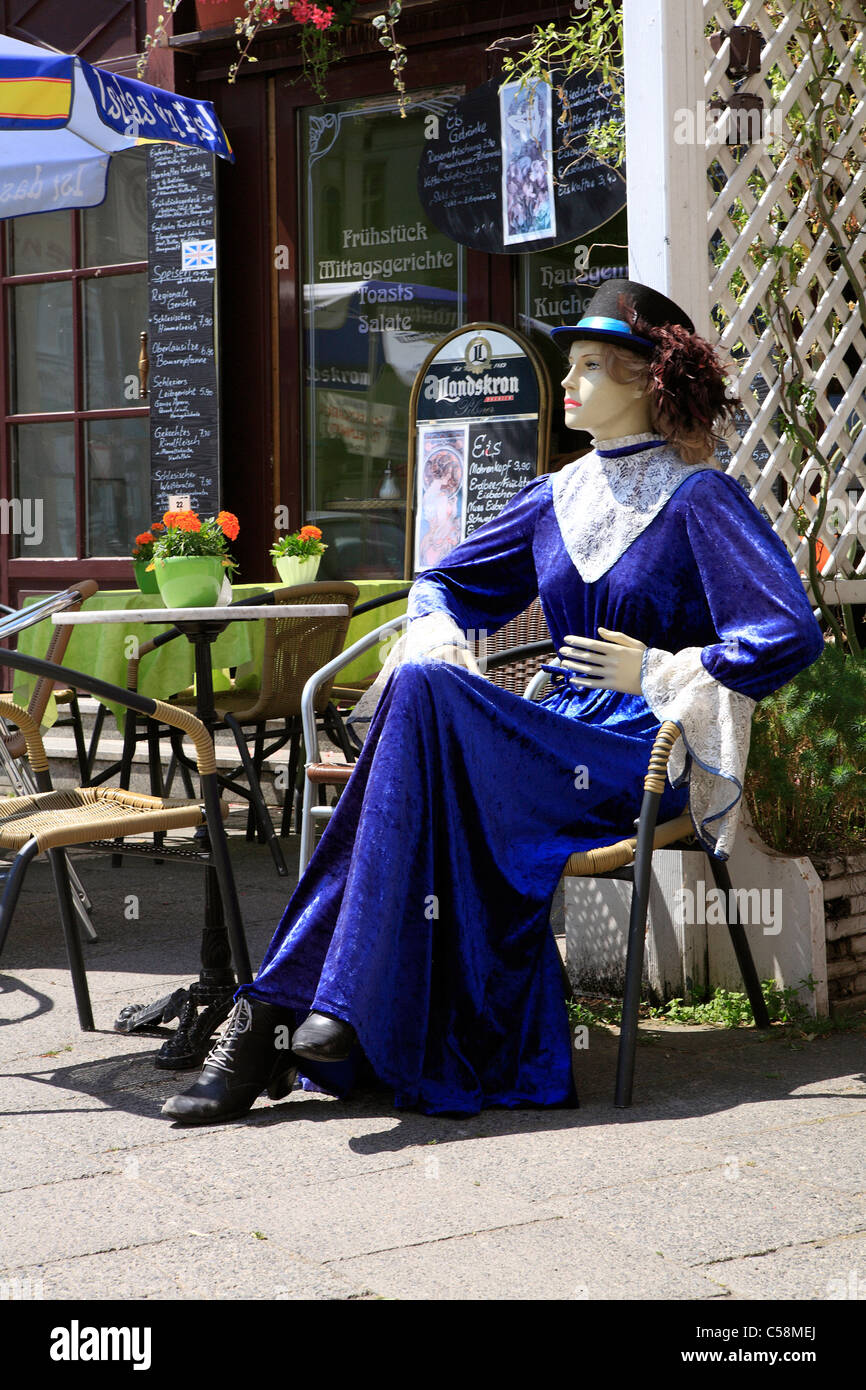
x: 423, y: 917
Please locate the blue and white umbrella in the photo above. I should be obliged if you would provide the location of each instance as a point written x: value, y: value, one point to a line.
x: 61, y: 120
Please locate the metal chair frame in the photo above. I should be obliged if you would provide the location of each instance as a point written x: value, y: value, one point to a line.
x: 12, y: 745
x: 54, y: 836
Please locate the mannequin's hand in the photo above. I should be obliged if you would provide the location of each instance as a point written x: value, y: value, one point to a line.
x: 611, y: 665
x: 455, y: 656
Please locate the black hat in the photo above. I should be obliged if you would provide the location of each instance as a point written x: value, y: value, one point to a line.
x: 605, y: 321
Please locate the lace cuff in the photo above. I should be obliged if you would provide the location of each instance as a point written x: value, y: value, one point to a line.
x: 422, y: 636
x: 716, y: 725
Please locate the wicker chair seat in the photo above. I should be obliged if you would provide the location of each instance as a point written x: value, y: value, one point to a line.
x: 61, y: 818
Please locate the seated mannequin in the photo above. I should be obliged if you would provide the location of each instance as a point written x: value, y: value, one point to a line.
x: 417, y: 943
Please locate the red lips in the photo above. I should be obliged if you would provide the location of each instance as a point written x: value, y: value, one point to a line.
x: 569, y: 401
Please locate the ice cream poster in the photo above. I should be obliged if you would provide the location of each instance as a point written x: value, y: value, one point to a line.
x: 441, y: 474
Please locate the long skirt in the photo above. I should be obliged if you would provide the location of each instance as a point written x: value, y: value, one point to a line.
x: 423, y: 917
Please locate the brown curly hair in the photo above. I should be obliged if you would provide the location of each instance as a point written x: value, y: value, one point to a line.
x: 686, y: 383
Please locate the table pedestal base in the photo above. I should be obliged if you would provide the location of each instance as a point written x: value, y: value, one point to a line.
x: 186, y: 1049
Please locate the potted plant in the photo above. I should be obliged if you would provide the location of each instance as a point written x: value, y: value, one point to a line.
x: 297, y: 557
x: 142, y: 558
x: 191, y: 557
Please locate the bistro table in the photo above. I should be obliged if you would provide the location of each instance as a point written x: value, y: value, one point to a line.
x: 103, y: 649
x: 213, y: 991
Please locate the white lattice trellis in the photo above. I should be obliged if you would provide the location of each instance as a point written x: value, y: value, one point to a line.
x: 755, y: 189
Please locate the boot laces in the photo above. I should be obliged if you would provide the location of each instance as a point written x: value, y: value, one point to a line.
x: 240, y: 1021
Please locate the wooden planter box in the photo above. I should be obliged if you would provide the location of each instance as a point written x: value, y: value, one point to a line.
x: 218, y: 14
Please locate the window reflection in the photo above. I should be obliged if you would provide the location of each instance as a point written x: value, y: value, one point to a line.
x: 118, y: 484
x: 382, y: 286
x: 41, y: 348
x: 43, y: 481
x: 115, y: 313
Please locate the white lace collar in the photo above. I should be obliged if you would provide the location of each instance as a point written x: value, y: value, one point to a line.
x: 603, y: 503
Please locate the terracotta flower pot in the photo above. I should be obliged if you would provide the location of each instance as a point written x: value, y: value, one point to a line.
x: 297, y: 569
x: 190, y: 581
x: 217, y: 14
x: 145, y: 578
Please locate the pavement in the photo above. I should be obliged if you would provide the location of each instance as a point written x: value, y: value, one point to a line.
x: 737, y: 1174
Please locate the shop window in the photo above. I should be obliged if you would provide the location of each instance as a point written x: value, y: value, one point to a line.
x: 374, y: 306
x: 75, y: 305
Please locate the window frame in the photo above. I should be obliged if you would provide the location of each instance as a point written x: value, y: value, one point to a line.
x: 22, y: 570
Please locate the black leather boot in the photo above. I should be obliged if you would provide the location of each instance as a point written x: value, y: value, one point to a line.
x: 244, y: 1062
x: 324, y: 1039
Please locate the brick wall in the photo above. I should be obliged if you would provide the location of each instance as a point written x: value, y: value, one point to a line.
x: 844, y: 879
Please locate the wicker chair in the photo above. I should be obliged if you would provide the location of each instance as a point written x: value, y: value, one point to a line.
x: 629, y: 859
x: 97, y: 817
x: 13, y: 747
x: 294, y: 648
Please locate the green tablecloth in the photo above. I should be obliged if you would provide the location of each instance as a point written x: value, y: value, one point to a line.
x: 104, y: 649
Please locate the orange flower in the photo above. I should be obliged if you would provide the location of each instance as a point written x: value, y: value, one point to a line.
x: 144, y: 539
x: 157, y: 526
x: 228, y: 524
x: 309, y: 533
x: 182, y: 521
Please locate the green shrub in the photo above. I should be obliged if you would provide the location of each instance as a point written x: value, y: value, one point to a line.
x: 806, y: 778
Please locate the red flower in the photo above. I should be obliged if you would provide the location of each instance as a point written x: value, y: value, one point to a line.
x: 302, y: 11
x: 144, y: 539
x: 228, y: 524
x: 322, y: 18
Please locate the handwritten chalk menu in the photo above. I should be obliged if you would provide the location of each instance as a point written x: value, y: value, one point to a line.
x: 509, y: 170
x: 184, y: 399
x: 478, y: 433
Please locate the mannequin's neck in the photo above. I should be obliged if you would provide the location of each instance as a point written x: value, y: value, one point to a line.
x: 634, y: 420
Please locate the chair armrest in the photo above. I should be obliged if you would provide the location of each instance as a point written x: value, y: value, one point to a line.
x: 22, y: 618
x: 381, y: 601
x: 36, y: 754
x: 308, y: 695
x: 129, y: 699
x: 504, y: 658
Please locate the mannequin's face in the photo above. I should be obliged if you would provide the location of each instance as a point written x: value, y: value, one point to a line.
x: 595, y: 402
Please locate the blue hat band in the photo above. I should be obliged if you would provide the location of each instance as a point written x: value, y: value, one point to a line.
x: 601, y: 324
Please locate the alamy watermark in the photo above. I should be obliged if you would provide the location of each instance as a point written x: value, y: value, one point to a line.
x: 707, y: 125
x: 22, y: 516
x: 713, y: 907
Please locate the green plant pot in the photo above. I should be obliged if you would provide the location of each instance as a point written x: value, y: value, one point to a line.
x: 145, y: 579
x: 297, y: 569
x: 190, y: 581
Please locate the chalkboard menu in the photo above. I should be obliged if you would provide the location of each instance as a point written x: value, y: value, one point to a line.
x: 478, y: 433
x: 508, y: 169
x: 184, y: 400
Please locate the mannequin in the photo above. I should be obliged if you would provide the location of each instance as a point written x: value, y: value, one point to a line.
x: 417, y: 943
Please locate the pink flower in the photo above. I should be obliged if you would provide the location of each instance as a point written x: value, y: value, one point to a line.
x: 302, y: 11
x: 322, y: 18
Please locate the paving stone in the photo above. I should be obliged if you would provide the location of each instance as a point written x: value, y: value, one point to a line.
x: 230, y: 1265
x: 90, y: 1214
x: 697, y: 1218
x: 544, y: 1260
x: 833, y: 1270
x: 375, y: 1211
